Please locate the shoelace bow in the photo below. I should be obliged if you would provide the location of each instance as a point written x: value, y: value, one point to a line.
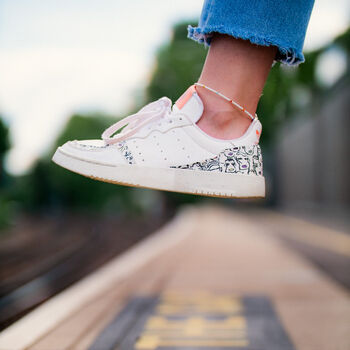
x: 133, y: 123
x: 153, y: 111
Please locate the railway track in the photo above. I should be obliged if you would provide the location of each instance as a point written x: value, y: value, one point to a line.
x: 97, y: 241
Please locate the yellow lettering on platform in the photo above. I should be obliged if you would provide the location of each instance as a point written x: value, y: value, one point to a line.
x: 195, y: 323
x: 173, y: 304
x: 148, y: 342
x: 195, y: 320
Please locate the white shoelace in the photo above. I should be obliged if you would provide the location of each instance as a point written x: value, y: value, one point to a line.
x: 133, y: 123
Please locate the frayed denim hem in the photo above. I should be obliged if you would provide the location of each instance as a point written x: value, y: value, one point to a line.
x: 286, y: 55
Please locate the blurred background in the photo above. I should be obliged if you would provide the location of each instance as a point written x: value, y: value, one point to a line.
x: 69, y: 69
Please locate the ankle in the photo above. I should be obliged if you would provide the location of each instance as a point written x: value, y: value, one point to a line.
x: 226, y: 125
x: 220, y: 119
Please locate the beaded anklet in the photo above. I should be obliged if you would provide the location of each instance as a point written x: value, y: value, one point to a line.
x: 253, y: 117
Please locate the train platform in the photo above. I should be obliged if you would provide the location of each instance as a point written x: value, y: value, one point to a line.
x: 212, y: 278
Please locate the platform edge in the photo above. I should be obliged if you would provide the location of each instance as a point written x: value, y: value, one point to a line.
x: 39, y: 322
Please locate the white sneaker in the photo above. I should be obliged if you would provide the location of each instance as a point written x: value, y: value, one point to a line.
x: 162, y: 148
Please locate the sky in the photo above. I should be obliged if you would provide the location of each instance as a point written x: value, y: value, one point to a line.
x: 58, y: 57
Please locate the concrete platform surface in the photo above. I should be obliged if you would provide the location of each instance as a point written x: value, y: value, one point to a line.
x: 211, y: 279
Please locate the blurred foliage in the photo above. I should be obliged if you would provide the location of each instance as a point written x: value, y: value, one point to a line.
x: 290, y: 90
x: 4, y: 138
x: 343, y: 41
x: 4, y: 147
x: 177, y: 66
x: 5, y: 179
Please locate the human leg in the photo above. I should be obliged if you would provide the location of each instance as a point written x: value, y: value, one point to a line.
x: 245, y: 38
x: 238, y: 69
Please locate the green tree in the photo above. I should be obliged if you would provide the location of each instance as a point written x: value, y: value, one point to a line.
x: 6, y: 206
x: 287, y: 86
x: 178, y: 65
x: 4, y: 147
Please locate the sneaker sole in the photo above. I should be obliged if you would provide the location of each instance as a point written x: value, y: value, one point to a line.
x: 196, y: 182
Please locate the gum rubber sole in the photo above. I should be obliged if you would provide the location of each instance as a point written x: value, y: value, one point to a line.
x: 197, y: 182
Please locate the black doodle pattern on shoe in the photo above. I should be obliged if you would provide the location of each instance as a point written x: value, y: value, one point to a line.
x: 124, y: 149
x: 246, y: 160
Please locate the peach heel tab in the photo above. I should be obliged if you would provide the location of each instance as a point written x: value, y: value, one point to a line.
x: 182, y: 100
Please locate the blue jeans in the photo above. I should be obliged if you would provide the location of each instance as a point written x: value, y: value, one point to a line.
x: 280, y: 23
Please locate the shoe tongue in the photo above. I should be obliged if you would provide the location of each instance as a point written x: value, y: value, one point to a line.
x: 190, y: 104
